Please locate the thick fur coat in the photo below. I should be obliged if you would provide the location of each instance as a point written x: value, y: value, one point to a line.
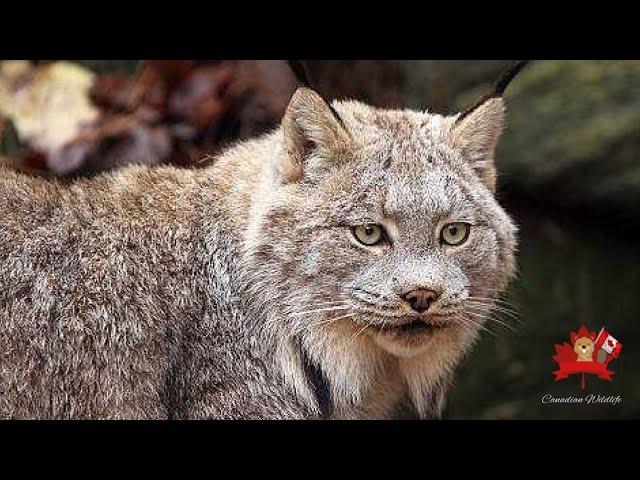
x: 239, y: 291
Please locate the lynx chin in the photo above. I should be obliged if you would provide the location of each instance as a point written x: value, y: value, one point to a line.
x: 338, y: 267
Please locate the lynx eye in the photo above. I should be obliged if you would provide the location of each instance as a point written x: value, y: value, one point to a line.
x: 369, y: 234
x: 455, y: 233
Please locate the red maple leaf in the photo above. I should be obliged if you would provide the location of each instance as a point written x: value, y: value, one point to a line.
x: 564, y: 351
x: 582, y: 332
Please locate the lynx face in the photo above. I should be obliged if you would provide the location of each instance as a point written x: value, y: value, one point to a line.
x: 386, y: 225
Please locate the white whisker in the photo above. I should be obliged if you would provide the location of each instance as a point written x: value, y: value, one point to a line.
x: 353, y: 337
x: 319, y: 323
x: 319, y: 310
x: 491, y: 319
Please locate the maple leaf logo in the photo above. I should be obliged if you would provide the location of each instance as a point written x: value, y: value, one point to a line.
x: 565, y: 352
x: 583, y: 354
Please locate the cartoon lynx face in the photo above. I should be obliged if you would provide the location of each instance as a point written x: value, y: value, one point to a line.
x: 385, y: 224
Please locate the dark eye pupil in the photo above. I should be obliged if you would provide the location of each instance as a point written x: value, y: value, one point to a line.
x: 368, y: 230
x: 453, y: 231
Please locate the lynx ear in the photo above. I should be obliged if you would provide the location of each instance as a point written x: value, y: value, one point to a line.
x: 476, y: 131
x: 476, y: 136
x: 310, y: 128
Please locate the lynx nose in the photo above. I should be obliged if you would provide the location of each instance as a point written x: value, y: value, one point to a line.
x: 420, y: 299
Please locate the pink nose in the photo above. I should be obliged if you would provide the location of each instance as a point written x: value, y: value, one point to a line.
x: 420, y: 299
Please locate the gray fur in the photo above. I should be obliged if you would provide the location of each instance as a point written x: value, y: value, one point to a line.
x: 157, y: 292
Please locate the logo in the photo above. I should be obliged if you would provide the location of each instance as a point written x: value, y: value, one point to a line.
x: 587, y: 353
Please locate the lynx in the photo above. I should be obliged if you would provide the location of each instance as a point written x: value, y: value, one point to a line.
x: 337, y: 267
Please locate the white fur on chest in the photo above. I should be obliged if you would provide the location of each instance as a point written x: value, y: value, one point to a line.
x: 368, y: 382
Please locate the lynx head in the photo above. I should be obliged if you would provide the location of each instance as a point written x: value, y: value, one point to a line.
x: 384, y: 222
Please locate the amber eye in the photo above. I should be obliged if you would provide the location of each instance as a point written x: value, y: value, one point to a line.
x: 455, y: 233
x: 369, y: 234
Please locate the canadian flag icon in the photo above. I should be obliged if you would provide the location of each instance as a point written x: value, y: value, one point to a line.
x: 606, y: 342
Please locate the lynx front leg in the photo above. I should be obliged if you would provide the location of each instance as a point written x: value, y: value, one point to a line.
x: 253, y: 401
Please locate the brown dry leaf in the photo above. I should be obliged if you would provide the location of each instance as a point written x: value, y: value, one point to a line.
x: 114, y: 141
x: 201, y: 99
x: 221, y: 102
x: 171, y: 111
x: 121, y: 93
x: 52, y: 111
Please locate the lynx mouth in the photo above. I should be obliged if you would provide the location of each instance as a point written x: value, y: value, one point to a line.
x: 412, y: 336
x: 398, y: 324
x: 413, y: 327
x: 416, y: 326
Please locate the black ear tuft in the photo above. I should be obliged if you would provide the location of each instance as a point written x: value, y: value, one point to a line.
x: 300, y: 72
x: 508, y: 75
x: 302, y: 76
x: 500, y: 87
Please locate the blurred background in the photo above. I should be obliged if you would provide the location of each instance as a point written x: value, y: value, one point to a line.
x: 569, y: 174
